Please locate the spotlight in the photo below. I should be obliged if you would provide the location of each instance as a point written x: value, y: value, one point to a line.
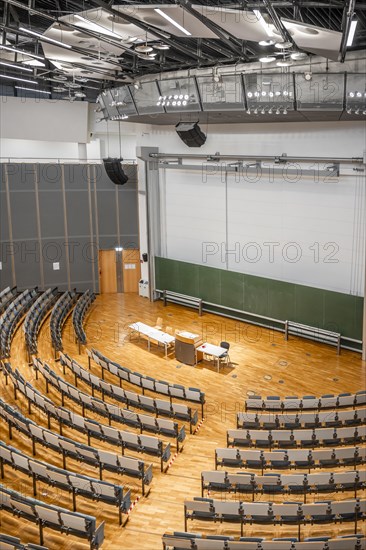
x: 349, y: 111
x: 358, y: 94
x: 285, y: 93
x: 186, y: 97
x: 264, y: 93
x: 256, y: 94
x: 175, y: 97
x: 184, y: 103
x: 174, y: 103
x: 277, y: 93
x: 248, y: 112
x: 267, y: 59
x: 137, y: 85
x: 285, y: 111
x: 181, y: 96
x: 263, y: 111
x: 283, y: 45
x: 278, y: 112
x: 250, y: 94
x: 255, y: 111
x: 266, y: 42
x: 270, y: 111
x: 179, y: 103
x: 351, y: 94
x: 357, y: 111
x: 271, y: 94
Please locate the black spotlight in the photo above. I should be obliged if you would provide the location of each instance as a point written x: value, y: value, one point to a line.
x: 114, y: 170
x: 190, y: 133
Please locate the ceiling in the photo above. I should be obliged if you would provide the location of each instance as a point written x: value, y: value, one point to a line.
x: 98, y: 44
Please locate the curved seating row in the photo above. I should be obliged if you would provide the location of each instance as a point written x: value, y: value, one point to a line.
x: 161, y: 426
x: 51, y: 516
x: 303, y: 484
x: 294, y: 403
x: 76, y: 484
x: 290, y: 458
x: 271, y: 513
x: 131, y: 399
x: 35, y: 316
x: 126, y: 440
x: 103, y: 460
x: 306, y: 437
x: 11, y: 318
x: 146, y: 382
x: 195, y: 541
x: 6, y: 296
x: 287, y: 420
x: 59, y: 314
x: 79, y: 313
x: 7, y: 542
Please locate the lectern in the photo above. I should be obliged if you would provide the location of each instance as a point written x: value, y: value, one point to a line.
x: 185, y: 347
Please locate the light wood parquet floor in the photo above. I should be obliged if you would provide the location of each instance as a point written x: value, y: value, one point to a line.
x: 262, y: 362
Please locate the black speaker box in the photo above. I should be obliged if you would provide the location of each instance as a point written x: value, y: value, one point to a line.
x: 190, y: 133
x: 114, y: 170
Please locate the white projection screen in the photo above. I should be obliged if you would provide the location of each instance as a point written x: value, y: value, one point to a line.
x: 302, y: 229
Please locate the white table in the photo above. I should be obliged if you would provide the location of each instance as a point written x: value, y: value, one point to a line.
x: 153, y: 333
x: 214, y: 351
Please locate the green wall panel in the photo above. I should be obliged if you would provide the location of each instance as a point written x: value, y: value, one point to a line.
x: 266, y: 297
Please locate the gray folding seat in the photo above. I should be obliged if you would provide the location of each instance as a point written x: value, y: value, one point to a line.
x: 300, y: 458
x: 119, y: 393
x: 135, y: 379
x: 346, y: 399
x: 88, y: 454
x: 76, y: 522
x: 269, y: 483
x: 360, y: 398
x: 39, y: 469
x: 277, y: 459
x: 52, y: 439
x: 242, y: 545
x: 321, y: 482
x: 5, y: 453
x: 228, y: 510
x: 283, y: 438
x: 108, y: 459
x: 216, y: 480
x: 287, y: 512
x: 36, y: 432
x: 252, y: 458
x: 147, y: 403
x: 93, y: 427
x: 151, y: 444
x: 240, y: 438
x: 164, y: 388
x: 346, y: 480
x: 148, y: 383
x: 304, y: 437
x: 327, y: 436
x: 293, y: 403
x: 257, y: 512
x: 59, y: 477
x: 345, y: 509
x: 312, y: 545
x: 26, y: 507
x: 77, y: 421
x: 328, y: 401
x: 94, y: 380
x: 69, y: 446
x: 209, y: 544
x: 200, y: 509
x: 325, y: 457
x: 48, y: 515
x: 111, y: 434
x: 243, y: 482
x: 294, y: 483
x: 164, y: 407
x: 113, y: 369
x: 21, y: 461
x: 180, y: 543
x: 74, y: 393
x: 276, y: 545
x: 339, y: 544
x: 81, y: 484
x: 319, y: 512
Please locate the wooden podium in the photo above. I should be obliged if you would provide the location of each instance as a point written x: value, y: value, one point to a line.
x: 185, y: 347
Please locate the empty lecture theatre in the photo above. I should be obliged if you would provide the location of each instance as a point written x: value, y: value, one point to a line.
x: 182, y: 275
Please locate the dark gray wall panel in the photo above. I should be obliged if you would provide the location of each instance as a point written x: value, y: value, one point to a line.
x: 51, y: 213
x: 21, y: 177
x: 76, y: 176
x: 129, y: 241
x: 6, y: 278
x: 77, y: 206
x: 107, y: 213
x: 53, y: 251
x: 2, y: 176
x: 4, y: 222
x: 128, y: 212
x: 23, y: 214
x: 108, y: 242
x: 83, y: 256
x: 49, y: 177
x: 27, y: 263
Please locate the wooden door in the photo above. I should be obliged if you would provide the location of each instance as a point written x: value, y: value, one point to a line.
x: 131, y: 269
x: 107, y: 271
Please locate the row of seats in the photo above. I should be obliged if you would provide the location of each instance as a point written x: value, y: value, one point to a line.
x: 35, y: 316
x: 306, y: 437
x: 12, y: 316
x: 245, y: 482
x: 272, y: 513
x: 103, y: 460
x: 195, y: 541
x: 59, y: 314
x: 287, y: 420
x: 126, y: 440
x: 6, y: 296
x: 7, y: 542
x: 146, y: 382
x: 295, y: 403
x: 51, y: 516
x: 76, y: 484
x: 143, y: 422
x: 131, y: 399
x: 290, y: 458
x: 79, y: 313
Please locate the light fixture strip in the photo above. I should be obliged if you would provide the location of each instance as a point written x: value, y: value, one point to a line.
x: 19, y: 67
x: 42, y: 37
x: 15, y: 50
x: 20, y: 79
x: 351, y: 33
x: 32, y: 90
x: 175, y: 23
x: 96, y: 27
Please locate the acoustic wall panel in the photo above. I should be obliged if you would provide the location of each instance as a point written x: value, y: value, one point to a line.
x: 27, y: 260
x: 51, y: 216
x: 23, y: 214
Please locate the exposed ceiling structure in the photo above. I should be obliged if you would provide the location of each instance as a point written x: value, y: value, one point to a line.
x: 74, y: 49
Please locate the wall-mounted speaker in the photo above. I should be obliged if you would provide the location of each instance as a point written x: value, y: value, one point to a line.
x: 114, y: 170
x: 144, y: 257
x: 190, y: 133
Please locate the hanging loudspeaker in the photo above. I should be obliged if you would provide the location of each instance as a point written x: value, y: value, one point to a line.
x: 114, y: 170
x: 190, y: 133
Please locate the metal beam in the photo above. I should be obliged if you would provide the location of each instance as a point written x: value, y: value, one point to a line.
x: 346, y: 25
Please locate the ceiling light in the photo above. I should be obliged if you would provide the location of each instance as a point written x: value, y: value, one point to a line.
x: 351, y: 94
x: 61, y: 89
x: 144, y: 48
x: 357, y: 111
x: 80, y: 94
x: 284, y: 63
x: 248, y: 112
x: 271, y: 94
x: 34, y: 63
x: 308, y: 76
x: 266, y: 42
x: 162, y: 46
x: 174, y: 103
x: 168, y: 103
x: 349, y: 111
x: 351, y: 33
x: 364, y: 112
x: 285, y: 111
x: 137, y: 85
x: 270, y: 111
x: 158, y: 103
x: 15, y: 50
x: 184, y: 103
x: 278, y: 93
x: 160, y: 12
x: 267, y: 59
x: 262, y: 22
x: 186, y: 97
x: 297, y: 56
x: 358, y: 94
x: 97, y: 28
x: 278, y: 112
x: 283, y: 45
x: 264, y: 93
x: 250, y: 94
x: 256, y: 94
x: 60, y: 77
x: 255, y: 111
x: 16, y: 66
x: 285, y: 93
x: 17, y: 78
x: 43, y: 37
x: 32, y: 89
x: 179, y: 103
x: 263, y: 111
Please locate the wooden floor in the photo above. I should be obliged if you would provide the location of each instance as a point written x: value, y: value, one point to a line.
x: 262, y: 363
